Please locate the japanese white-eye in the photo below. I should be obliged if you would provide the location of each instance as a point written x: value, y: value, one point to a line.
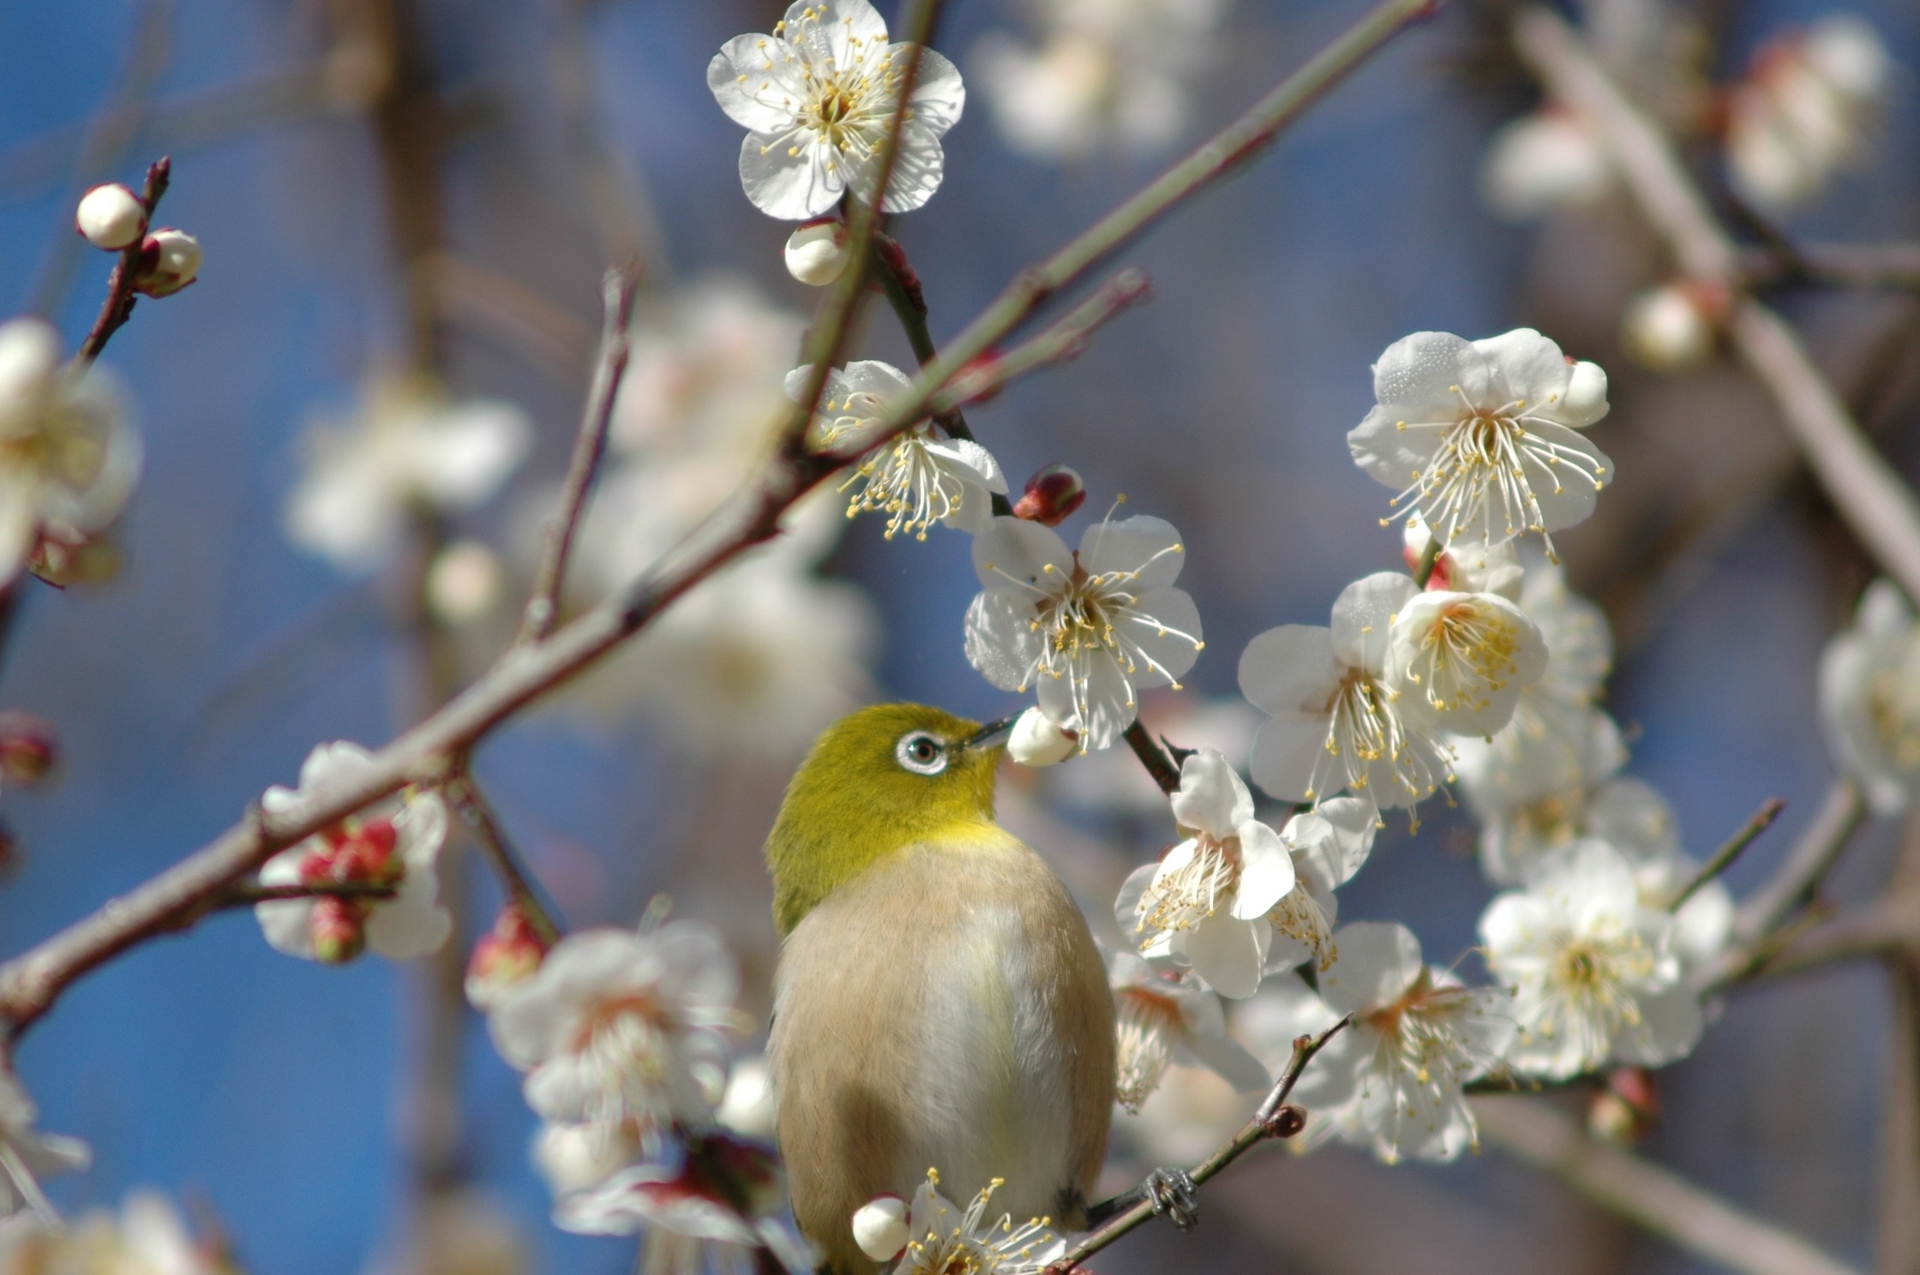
x: 939, y: 1002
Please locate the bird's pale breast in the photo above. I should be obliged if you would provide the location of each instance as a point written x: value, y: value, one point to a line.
x: 946, y: 1009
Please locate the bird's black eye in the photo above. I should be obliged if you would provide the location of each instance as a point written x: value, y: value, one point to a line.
x: 921, y: 753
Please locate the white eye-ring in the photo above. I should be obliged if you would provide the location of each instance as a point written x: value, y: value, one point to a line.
x: 921, y: 753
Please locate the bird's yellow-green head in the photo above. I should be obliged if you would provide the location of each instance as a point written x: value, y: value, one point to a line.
x: 877, y: 781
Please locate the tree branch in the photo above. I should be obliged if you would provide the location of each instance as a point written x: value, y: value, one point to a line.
x: 1873, y: 500
x: 1274, y: 1118
x: 618, y: 288
x: 31, y: 982
x: 467, y: 799
x: 1644, y: 1193
x: 1886, y: 265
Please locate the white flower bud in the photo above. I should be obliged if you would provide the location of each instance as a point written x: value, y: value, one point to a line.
x: 1037, y: 741
x: 880, y: 1227
x: 817, y: 252
x: 464, y: 582
x: 1666, y: 329
x: 1586, y: 400
x: 169, y: 261
x: 110, y: 217
x: 747, y: 1107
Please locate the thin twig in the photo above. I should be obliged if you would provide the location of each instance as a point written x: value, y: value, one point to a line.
x: 618, y: 288
x: 118, y: 307
x: 1866, y: 491
x: 1800, y: 872
x: 467, y: 799
x: 31, y: 982
x: 901, y: 282
x: 1723, y: 857
x: 1647, y: 1194
x: 1063, y: 340
x: 1158, y: 765
x: 245, y: 895
x: 1274, y: 1118
x: 1885, y: 265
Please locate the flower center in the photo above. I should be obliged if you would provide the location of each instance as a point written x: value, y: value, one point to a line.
x: 1299, y: 916
x: 905, y: 482
x: 1145, y: 1023
x: 1364, y: 731
x: 1481, y: 476
x: 1893, y: 706
x: 1465, y: 653
x: 1181, y: 899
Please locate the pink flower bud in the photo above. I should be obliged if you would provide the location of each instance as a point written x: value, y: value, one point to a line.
x: 503, y: 958
x: 1051, y: 495
x: 339, y: 929
x: 169, y: 261
x: 110, y: 217
x: 28, y: 747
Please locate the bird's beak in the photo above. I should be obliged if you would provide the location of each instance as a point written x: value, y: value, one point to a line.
x: 992, y: 735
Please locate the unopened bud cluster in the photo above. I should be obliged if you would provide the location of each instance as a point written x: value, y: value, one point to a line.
x: 113, y: 219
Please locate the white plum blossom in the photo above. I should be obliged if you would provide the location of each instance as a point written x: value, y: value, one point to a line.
x: 1163, y: 1017
x: 1870, y: 699
x: 1461, y: 660
x: 625, y: 1031
x: 1481, y: 438
x: 1806, y: 110
x: 880, y: 1227
x: 1328, y: 845
x: 1206, y: 901
x: 712, y: 1207
x: 916, y: 479
x: 1595, y: 973
x: 1556, y: 742
x: 1086, y: 629
x: 944, y: 1239
x: 1465, y: 567
x: 1393, y: 1078
x: 1335, y: 718
x: 26, y: 1156
x: 393, y: 843
x: 818, y: 98
x: 575, y: 1157
x: 1541, y: 162
x: 1104, y: 74
x: 1037, y: 740
x: 406, y: 447
x: 69, y: 459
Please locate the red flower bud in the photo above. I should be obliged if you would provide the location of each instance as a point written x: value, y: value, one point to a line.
x: 1051, y: 495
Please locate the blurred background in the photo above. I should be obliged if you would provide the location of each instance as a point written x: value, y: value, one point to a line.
x: 406, y: 206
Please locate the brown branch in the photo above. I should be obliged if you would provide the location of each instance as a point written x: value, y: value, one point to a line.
x: 1887, y: 265
x: 1868, y: 495
x: 471, y: 804
x: 1732, y: 849
x: 31, y: 982
x: 1655, y: 1198
x: 1274, y: 1118
x: 617, y: 291
x: 118, y: 307
x: 1759, y: 946
x: 247, y: 895
x: 1158, y: 764
x: 901, y: 282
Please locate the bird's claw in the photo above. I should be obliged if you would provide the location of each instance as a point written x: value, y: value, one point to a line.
x: 1172, y: 1194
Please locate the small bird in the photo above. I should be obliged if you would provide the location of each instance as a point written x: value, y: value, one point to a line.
x: 939, y: 1001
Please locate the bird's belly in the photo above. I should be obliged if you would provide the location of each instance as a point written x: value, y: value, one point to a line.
x: 991, y: 1081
